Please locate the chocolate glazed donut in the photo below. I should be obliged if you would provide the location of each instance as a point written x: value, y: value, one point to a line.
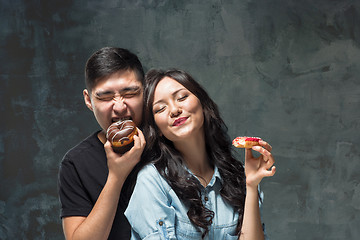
x: 121, y: 135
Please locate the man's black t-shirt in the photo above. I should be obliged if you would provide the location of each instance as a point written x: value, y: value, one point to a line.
x: 82, y: 176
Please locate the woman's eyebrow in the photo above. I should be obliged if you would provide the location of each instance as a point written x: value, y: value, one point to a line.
x: 173, y: 94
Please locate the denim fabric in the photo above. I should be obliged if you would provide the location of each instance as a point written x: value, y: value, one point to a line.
x: 156, y: 212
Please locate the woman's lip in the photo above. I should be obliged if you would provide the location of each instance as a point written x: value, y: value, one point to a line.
x: 179, y: 121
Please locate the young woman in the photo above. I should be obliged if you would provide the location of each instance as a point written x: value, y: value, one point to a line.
x: 193, y: 188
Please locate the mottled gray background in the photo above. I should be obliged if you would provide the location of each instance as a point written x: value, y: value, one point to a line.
x: 285, y: 70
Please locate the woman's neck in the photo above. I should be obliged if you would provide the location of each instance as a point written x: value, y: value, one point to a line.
x: 196, y: 158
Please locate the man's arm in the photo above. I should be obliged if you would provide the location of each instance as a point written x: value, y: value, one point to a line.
x: 98, y: 223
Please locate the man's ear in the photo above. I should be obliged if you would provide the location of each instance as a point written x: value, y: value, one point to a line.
x: 87, y: 99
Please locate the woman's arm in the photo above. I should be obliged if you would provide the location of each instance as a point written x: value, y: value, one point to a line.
x: 255, y: 170
x: 251, y: 227
x: 149, y: 212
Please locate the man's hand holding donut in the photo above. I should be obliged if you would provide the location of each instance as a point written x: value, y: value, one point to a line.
x: 122, y: 164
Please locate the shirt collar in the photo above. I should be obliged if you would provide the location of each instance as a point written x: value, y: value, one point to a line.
x: 216, y: 176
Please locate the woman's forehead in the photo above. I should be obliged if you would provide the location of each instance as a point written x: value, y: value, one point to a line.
x: 168, y: 83
x: 167, y: 86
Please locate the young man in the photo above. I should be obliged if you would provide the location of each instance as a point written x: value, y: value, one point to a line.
x: 94, y: 187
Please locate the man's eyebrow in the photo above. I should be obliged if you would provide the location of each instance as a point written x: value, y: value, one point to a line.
x: 131, y: 88
x: 126, y: 89
x: 101, y: 92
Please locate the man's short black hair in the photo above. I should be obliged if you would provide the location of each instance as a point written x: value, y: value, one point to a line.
x: 110, y: 60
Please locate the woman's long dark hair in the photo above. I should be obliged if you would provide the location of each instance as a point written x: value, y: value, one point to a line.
x: 169, y: 161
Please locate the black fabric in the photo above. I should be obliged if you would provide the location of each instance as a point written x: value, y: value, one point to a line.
x: 82, y: 176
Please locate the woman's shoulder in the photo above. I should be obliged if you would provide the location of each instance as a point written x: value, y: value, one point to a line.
x: 150, y: 176
x: 149, y: 169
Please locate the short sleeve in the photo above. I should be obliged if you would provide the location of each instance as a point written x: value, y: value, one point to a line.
x: 73, y: 197
x: 149, y: 212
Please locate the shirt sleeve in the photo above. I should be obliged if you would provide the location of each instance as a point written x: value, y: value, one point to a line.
x: 149, y: 212
x: 73, y: 197
x: 261, y: 199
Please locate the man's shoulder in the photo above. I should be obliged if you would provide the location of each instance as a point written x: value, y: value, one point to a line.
x: 88, y: 146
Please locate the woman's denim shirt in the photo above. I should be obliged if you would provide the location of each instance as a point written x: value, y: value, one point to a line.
x: 156, y: 212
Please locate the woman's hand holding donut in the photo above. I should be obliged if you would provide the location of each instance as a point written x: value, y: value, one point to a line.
x: 120, y: 165
x: 258, y: 168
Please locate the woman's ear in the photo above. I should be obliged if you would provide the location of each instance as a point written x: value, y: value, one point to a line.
x: 87, y: 99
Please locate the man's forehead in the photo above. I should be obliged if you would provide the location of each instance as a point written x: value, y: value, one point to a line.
x: 129, y: 75
x: 119, y: 82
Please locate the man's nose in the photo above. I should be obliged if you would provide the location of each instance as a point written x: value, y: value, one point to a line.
x: 119, y: 104
x: 117, y: 98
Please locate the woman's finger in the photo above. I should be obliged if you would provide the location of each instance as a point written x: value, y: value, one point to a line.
x: 270, y: 172
x: 266, y: 154
x: 266, y: 145
x: 248, y: 153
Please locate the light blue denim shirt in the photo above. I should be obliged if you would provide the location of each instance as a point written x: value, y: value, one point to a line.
x: 156, y: 212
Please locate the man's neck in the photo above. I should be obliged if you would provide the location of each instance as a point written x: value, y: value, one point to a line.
x: 101, y: 136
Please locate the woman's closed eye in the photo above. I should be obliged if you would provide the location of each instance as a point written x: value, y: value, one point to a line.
x: 159, y: 109
x: 182, y: 97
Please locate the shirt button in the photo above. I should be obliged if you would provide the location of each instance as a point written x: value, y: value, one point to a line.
x: 161, y: 223
x: 206, y: 199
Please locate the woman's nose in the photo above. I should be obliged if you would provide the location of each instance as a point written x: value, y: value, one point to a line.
x: 175, y: 111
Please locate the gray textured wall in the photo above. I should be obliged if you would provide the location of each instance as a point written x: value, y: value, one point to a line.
x: 286, y: 70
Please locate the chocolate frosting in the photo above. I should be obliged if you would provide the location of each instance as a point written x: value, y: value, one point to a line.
x: 119, y: 132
